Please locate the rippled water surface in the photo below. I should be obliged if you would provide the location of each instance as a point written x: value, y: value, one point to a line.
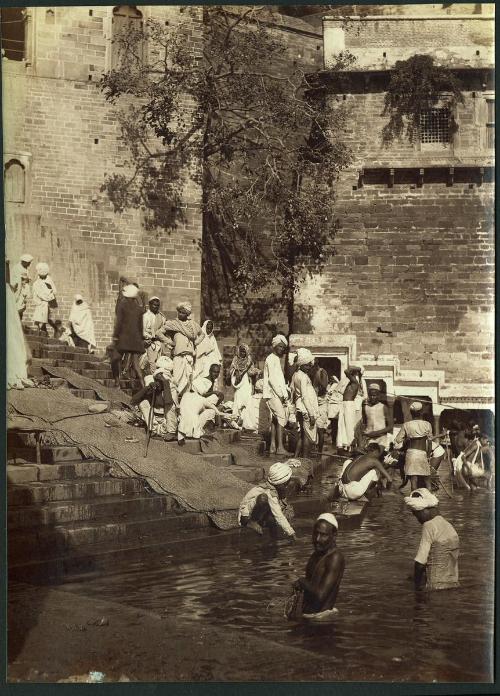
x: 383, y: 625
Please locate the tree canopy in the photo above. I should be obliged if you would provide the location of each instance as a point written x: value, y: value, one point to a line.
x: 254, y: 130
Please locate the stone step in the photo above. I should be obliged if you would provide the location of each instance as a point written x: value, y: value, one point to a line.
x: 30, y: 545
x: 21, y: 473
x: 249, y: 474
x: 27, y: 473
x: 74, y: 489
x: 49, y: 455
x: 113, y: 508
x: 84, y: 393
x: 81, y: 561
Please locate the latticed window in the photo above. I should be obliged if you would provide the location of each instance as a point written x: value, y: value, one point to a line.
x: 435, y: 126
x: 490, y: 124
x: 126, y: 18
x: 13, y: 29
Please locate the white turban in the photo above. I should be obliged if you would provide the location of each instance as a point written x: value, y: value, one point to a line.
x: 130, y: 291
x: 185, y: 306
x: 421, y: 499
x: 415, y: 406
x: 328, y: 517
x: 374, y: 387
x: 291, y: 358
x: 279, y: 474
x: 304, y: 357
x: 27, y: 258
x: 153, y: 298
x: 279, y: 339
x: 42, y: 268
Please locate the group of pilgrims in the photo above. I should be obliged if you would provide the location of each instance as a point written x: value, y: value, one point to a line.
x: 178, y: 365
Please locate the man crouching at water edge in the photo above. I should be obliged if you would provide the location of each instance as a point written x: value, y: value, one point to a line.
x: 324, y: 572
x: 360, y: 477
x: 436, y: 562
x: 265, y: 505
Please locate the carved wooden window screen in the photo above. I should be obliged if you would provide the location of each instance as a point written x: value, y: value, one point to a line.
x: 435, y: 126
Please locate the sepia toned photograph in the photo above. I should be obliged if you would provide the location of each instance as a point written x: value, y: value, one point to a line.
x: 249, y: 298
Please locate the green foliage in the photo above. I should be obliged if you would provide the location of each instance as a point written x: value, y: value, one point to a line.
x: 257, y: 136
x: 418, y: 84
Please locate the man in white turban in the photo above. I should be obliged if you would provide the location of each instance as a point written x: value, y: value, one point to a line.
x: 417, y: 435
x: 275, y: 393
x: 186, y: 334
x: 436, y: 562
x: 20, y: 283
x: 305, y: 400
x: 265, y: 505
x: 44, y: 297
x: 324, y: 572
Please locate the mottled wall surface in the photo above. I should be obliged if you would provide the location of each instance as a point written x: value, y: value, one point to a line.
x: 415, y: 258
x: 57, y: 123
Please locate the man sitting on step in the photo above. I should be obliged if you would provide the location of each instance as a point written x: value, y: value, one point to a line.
x: 360, y: 477
x: 165, y: 400
x: 265, y: 505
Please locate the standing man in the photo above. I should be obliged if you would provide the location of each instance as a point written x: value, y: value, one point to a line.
x: 324, y: 571
x: 155, y: 341
x: 417, y: 434
x: 127, y: 334
x: 44, y: 297
x: 306, y: 402
x: 349, y: 415
x: 436, y: 562
x: 186, y: 335
x: 275, y: 393
x: 19, y: 282
x: 378, y: 421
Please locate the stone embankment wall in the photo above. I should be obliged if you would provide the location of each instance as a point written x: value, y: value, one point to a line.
x: 58, y: 126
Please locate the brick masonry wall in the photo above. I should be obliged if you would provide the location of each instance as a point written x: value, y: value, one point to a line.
x: 56, y: 118
x: 418, y: 262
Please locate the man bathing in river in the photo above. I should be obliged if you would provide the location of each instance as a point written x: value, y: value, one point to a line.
x: 324, y: 571
x: 361, y: 476
x: 436, y: 562
x: 265, y: 505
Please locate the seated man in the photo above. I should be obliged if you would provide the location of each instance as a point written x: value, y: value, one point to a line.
x: 324, y: 572
x: 195, y: 412
x: 255, y: 416
x: 436, y: 562
x: 360, y: 477
x: 205, y: 385
x: 265, y: 504
x: 160, y: 385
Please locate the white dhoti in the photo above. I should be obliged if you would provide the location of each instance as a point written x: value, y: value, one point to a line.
x: 242, y: 395
x: 193, y: 416
x: 355, y: 489
x: 349, y: 417
x: 162, y: 425
x: 277, y: 410
x: 182, y: 375
x: 326, y: 616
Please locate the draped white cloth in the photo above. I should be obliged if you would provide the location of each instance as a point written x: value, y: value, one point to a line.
x: 42, y: 295
x: 17, y: 355
x: 80, y: 318
x: 207, y: 353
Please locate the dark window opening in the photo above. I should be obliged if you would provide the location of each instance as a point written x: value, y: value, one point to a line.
x: 435, y: 126
x: 490, y: 124
x: 331, y: 365
x: 402, y: 409
x: 13, y: 32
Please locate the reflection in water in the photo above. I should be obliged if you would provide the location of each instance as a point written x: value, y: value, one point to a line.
x: 445, y: 636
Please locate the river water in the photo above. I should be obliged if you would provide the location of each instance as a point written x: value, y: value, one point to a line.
x: 384, y: 629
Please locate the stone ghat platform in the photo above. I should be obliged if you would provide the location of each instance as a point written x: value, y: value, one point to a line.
x: 68, y: 515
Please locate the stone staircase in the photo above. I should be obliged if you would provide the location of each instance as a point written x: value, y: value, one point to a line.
x: 51, y: 351
x: 68, y: 516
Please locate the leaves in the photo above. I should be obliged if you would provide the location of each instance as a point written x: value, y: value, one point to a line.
x: 418, y: 84
x: 252, y: 130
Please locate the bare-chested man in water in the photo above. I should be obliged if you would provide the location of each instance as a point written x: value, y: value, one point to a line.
x: 361, y: 476
x: 324, y: 571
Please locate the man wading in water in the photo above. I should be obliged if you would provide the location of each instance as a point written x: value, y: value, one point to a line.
x: 324, y: 572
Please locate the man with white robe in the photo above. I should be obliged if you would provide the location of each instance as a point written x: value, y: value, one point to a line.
x: 306, y: 402
x: 195, y: 412
x: 207, y: 351
x: 275, y: 393
x: 82, y: 324
x: 19, y: 282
